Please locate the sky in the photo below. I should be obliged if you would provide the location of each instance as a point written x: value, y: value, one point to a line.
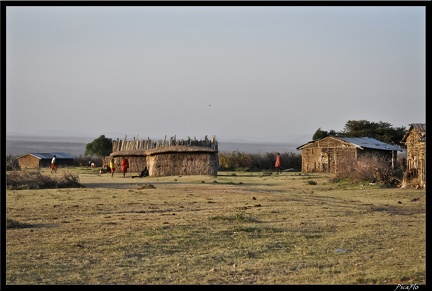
x: 247, y: 73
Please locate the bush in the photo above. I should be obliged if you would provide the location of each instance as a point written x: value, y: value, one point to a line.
x: 12, y: 163
x: 371, y: 168
x: 237, y: 161
x: 17, y: 180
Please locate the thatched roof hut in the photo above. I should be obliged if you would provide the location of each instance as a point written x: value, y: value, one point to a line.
x: 171, y: 158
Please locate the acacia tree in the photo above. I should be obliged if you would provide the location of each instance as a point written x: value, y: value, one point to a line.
x: 319, y: 134
x: 382, y: 131
x: 101, y: 146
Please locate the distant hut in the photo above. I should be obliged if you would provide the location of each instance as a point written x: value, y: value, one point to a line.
x: 415, y: 142
x: 332, y: 154
x: 43, y: 160
x: 168, y: 157
x: 182, y: 160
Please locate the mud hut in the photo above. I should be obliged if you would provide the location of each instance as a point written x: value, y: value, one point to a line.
x: 182, y: 160
x: 43, y: 160
x: 332, y: 153
x: 168, y: 157
x: 415, y: 142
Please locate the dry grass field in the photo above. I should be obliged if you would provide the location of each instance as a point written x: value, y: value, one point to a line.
x: 237, y: 228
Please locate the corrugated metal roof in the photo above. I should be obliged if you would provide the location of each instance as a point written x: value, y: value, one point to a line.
x: 370, y: 143
x: 45, y: 156
x: 363, y: 142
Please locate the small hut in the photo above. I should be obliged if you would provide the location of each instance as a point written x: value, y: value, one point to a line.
x: 168, y: 157
x: 415, y: 142
x: 43, y: 160
x: 333, y: 153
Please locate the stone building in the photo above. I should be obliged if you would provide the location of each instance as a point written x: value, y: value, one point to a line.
x: 332, y: 153
x: 415, y: 142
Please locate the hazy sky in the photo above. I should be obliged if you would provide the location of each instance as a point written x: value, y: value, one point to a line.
x: 251, y: 73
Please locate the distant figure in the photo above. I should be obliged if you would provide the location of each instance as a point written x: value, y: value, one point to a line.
x: 89, y: 163
x: 124, y: 166
x: 144, y: 173
x: 105, y: 169
x: 53, y: 164
x: 112, y: 167
x: 278, y: 164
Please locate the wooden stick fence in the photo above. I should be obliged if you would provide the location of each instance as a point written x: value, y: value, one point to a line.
x: 137, y: 144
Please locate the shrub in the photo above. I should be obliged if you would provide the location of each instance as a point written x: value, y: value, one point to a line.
x: 35, y: 180
x: 237, y: 161
x: 371, y: 168
x: 12, y: 163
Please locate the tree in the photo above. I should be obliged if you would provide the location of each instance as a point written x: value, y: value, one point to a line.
x: 319, y: 134
x: 382, y: 131
x: 101, y: 146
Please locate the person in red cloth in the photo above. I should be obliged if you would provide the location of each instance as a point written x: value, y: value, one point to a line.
x: 124, y: 166
x: 53, y: 164
x: 278, y: 165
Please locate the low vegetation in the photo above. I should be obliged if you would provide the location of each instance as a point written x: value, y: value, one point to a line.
x: 369, y: 168
x: 36, y: 180
x: 372, y: 169
x: 238, y: 228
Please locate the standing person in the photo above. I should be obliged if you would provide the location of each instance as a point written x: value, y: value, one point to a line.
x: 278, y: 164
x: 53, y: 164
x: 124, y: 166
x: 112, y: 167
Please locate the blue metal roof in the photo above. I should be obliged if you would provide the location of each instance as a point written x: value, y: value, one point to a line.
x: 44, y: 156
x: 370, y: 143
